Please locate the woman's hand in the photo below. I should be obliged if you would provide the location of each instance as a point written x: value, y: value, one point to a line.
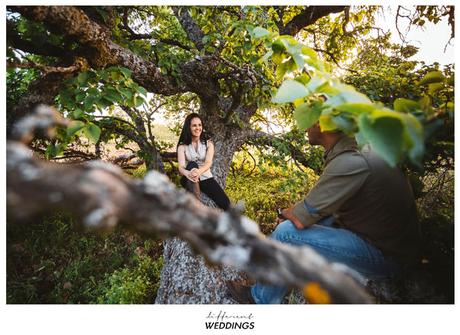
x: 195, y: 173
x: 193, y: 176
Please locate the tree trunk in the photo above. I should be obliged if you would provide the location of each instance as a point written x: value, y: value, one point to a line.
x: 186, y: 279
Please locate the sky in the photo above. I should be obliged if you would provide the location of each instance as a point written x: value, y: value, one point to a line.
x: 431, y: 39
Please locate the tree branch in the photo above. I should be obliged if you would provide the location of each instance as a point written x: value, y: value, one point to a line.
x: 192, y: 30
x: 98, y: 47
x: 307, y: 17
x: 262, y: 138
x: 45, y: 49
x: 28, y: 64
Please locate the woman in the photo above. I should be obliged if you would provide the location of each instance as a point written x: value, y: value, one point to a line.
x: 195, y: 152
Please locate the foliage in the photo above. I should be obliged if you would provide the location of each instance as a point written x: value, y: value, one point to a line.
x: 267, y: 188
x: 426, y: 91
x: 318, y: 97
x: 94, y: 91
x: 244, y: 37
x: 52, y: 262
x: 17, y: 83
x: 133, y: 285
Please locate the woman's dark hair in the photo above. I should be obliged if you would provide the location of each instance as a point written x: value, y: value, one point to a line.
x: 186, y: 135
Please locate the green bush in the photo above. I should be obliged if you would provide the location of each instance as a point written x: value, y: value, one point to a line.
x: 264, y: 192
x: 53, y: 262
x: 136, y: 285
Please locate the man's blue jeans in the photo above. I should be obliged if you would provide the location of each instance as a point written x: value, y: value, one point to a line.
x: 336, y: 245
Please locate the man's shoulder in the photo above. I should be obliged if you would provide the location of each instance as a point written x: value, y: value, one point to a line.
x: 350, y: 161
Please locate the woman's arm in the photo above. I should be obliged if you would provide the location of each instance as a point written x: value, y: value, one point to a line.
x: 181, y: 163
x: 208, y: 160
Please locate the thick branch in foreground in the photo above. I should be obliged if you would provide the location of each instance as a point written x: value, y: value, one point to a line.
x: 101, y: 196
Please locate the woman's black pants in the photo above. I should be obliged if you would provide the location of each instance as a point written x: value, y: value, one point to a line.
x: 210, y: 187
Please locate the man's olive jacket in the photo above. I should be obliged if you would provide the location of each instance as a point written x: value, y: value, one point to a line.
x: 367, y: 197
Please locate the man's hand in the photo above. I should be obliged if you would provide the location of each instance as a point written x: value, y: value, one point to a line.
x: 288, y: 215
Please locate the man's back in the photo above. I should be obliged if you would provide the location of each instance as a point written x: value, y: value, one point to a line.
x: 383, y: 210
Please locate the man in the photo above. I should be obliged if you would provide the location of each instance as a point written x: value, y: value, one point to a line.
x: 361, y: 213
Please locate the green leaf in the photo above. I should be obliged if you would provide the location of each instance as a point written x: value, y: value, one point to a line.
x: 347, y: 97
x: 278, y: 46
x: 432, y: 77
x: 138, y: 101
x: 289, y: 91
x: 385, y: 135
x: 425, y: 103
x: 345, y: 123
x: 142, y: 90
x: 77, y: 113
x: 299, y: 60
x: 74, y: 127
x: 126, y: 72
x: 415, y: 139
x: 303, y: 79
x: 92, y: 132
x: 306, y: 116
x: 112, y: 95
x: 266, y: 56
x: 127, y: 93
x: 82, y: 78
x: 80, y: 96
x: 309, y: 52
x: 88, y: 103
x: 355, y: 108
x: 93, y: 92
x: 326, y: 123
x: 405, y: 105
x: 54, y: 150
x: 260, y: 32
x: 288, y: 66
x: 315, y: 83
x: 279, y: 57
x: 435, y: 87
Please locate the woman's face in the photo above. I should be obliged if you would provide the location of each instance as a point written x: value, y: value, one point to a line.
x: 196, y: 127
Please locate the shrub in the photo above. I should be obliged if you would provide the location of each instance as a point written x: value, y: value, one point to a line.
x: 52, y: 262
